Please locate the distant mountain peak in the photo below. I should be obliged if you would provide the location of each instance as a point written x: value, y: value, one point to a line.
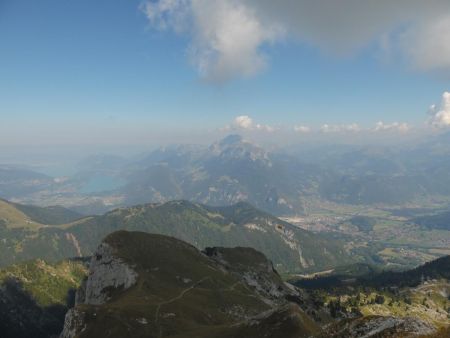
x: 231, y: 139
x: 236, y: 147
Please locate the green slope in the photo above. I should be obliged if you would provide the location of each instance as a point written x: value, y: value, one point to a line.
x: 14, y: 215
x: 34, y: 297
x: 289, y: 247
x: 48, y: 284
x: 52, y: 215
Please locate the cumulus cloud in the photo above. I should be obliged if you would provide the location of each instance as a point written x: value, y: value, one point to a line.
x: 395, y: 126
x: 245, y: 123
x: 428, y: 44
x: 302, y: 129
x: 264, y: 127
x: 227, y: 36
x: 440, y: 115
x: 340, y: 128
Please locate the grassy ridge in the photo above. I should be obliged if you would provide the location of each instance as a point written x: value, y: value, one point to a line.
x: 289, y: 247
x: 181, y: 292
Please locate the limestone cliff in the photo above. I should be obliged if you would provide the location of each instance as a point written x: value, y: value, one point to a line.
x: 107, y: 273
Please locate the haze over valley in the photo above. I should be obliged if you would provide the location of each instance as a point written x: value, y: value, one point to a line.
x: 224, y: 169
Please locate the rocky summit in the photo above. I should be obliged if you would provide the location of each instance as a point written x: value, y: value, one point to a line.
x: 144, y: 285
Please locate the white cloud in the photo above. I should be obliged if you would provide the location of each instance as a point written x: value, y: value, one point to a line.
x: 440, y: 116
x: 302, y: 129
x: 266, y: 128
x: 168, y: 14
x: 227, y: 35
x: 428, y: 44
x: 243, y: 122
x: 395, y: 126
x: 340, y: 128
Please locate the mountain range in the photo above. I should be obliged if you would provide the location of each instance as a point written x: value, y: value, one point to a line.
x: 26, y: 236
x: 282, y: 181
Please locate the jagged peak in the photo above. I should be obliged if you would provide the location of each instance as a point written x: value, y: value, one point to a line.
x: 231, y: 139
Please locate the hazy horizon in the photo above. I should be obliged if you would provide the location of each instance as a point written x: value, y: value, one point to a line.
x: 159, y: 72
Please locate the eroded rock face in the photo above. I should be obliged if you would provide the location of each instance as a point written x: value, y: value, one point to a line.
x: 106, y: 274
x: 257, y: 272
x: 73, y: 324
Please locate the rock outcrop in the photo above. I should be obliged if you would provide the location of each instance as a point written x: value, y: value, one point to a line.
x: 74, y: 324
x: 107, y: 273
x: 377, y: 326
x: 255, y: 271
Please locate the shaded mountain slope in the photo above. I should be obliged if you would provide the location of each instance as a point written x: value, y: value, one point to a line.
x: 438, y: 221
x: 436, y: 269
x: 53, y: 215
x: 14, y: 215
x: 35, y: 296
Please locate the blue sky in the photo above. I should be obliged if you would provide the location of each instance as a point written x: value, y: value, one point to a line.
x: 72, y: 68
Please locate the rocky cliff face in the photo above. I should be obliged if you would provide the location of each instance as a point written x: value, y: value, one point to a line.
x: 107, y: 274
x: 377, y: 326
x: 74, y: 324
